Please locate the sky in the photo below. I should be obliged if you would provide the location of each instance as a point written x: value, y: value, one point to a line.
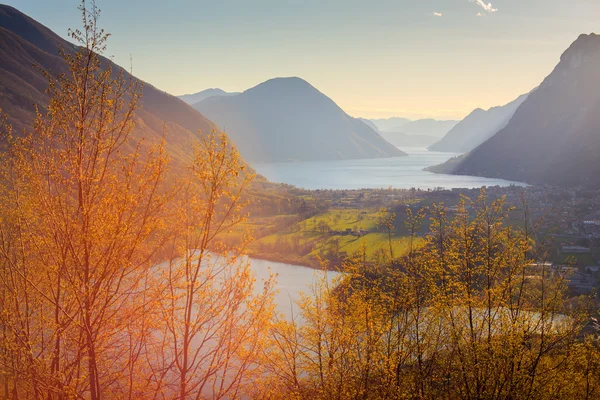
x: 375, y: 58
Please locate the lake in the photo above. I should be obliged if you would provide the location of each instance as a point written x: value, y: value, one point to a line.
x: 375, y: 173
x: 292, y: 280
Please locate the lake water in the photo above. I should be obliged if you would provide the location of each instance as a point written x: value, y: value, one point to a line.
x: 291, y: 281
x: 375, y: 173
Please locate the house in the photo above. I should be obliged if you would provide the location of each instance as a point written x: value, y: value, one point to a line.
x: 581, y: 283
x: 575, y: 249
x: 592, y: 269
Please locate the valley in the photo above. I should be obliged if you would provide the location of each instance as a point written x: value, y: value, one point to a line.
x: 352, y: 200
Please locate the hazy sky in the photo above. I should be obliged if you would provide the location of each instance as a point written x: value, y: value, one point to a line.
x: 375, y: 58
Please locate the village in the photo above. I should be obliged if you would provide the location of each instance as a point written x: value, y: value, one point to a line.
x: 332, y: 224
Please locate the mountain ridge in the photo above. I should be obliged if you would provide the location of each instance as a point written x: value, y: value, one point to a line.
x: 477, y: 127
x: 425, y: 126
x: 554, y: 136
x: 22, y: 87
x: 197, y: 97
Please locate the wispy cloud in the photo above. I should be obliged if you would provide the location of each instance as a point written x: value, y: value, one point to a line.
x: 479, y: 14
x: 438, y: 14
x: 488, y: 7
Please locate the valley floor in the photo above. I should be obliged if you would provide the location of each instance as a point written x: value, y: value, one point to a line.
x: 317, y: 227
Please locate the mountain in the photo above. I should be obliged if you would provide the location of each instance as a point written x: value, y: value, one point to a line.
x: 194, y: 98
x: 554, y: 136
x: 401, y: 139
x: 427, y: 127
x: 477, y: 127
x: 25, y: 42
x: 287, y: 119
x: 370, y: 124
x: 390, y: 124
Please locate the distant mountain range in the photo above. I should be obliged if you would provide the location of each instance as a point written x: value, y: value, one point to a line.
x: 389, y: 124
x: 194, y: 98
x: 25, y: 42
x: 554, y: 136
x: 401, y: 139
x: 477, y: 127
x: 402, y: 132
x: 287, y: 119
x: 427, y: 127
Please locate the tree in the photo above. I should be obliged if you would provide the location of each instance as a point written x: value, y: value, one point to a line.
x: 214, y: 321
x: 465, y: 314
x: 385, y: 222
x: 86, y: 215
x: 83, y: 205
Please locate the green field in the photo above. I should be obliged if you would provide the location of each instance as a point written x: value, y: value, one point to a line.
x: 340, y: 220
x: 326, y: 236
x: 575, y: 259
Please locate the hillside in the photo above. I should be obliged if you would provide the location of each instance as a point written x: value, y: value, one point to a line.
x: 370, y: 124
x: 477, y: 127
x: 25, y: 42
x: 287, y: 119
x: 554, y: 136
x: 194, y: 98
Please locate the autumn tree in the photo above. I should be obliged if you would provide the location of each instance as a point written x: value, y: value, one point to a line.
x: 215, y: 318
x: 466, y: 313
x: 385, y: 222
x: 507, y: 327
x: 82, y: 204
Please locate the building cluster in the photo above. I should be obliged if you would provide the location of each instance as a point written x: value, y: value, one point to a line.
x: 578, y: 280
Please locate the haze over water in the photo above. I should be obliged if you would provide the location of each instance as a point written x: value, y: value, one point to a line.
x: 397, y: 172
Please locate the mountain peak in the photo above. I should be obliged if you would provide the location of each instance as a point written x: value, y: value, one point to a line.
x: 586, y: 39
x: 295, y: 80
x: 581, y: 51
x: 10, y: 10
x: 194, y: 98
x: 287, y: 84
x: 210, y: 90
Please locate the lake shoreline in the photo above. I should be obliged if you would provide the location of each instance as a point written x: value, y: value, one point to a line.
x: 375, y: 173
x: 292, y: 259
